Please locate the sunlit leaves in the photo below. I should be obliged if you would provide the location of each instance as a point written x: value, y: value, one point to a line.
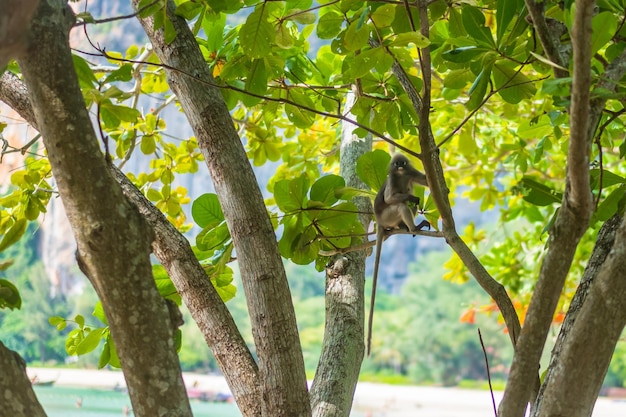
x: 372, y: 168
x: 257, y: 33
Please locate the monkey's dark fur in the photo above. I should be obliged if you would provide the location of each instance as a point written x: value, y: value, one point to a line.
x: 392, y: 212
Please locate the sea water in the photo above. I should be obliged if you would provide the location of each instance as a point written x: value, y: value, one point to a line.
x: 88, y: 402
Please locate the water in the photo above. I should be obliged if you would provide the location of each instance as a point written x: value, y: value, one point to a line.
x: 65, y: 401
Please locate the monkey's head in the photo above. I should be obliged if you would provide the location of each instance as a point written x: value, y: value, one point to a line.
x: 399, y: 163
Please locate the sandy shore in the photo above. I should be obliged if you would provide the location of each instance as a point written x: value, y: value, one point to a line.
x: 370, y: 400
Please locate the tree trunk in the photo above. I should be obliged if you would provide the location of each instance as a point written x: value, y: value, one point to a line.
x: 574, y: 384
x: 17, y: 398
x: 113, y: 240
x: 342, y: 351
x: 281, y: 366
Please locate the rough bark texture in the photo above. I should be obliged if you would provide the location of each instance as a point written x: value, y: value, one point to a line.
x: 14, y: 23
x: 113, y: 240
x: 281, y: 366
x: 570, y: 225
x: 555, y: 374
x: 207, y: 309
x: 593, y: 336
x: 17, y: 398
x: 337, y: 373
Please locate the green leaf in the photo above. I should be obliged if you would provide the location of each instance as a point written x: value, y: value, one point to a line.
x: 355, y: 37
x: 474, y: 23
x: 518, y: 86
x: 59, y: 322
x: 329, y: 25
x: 206, y: 211
x: 13, y: 234
x: 608, y: 178
x: 325, y: 189
x: 86, y: 77
x: 9, y: 295
x: 478, y: 90
x: 105, y: 356
x: 256, y: 82
x: 123, y: 73
x: 148, y: 144
x: 372, y: 168
x: 464, y: 54
x: 90, y: 342
x: 98, y: 312
x: 290, y: 195
x: 610, y: 205
x: 257, y: 34
x: 539, y: 194
x: 505, y: 12
x: 80, y: 320
x: 5, y: 264
x: 531, y: 129
x: 384, y: 15
x: 363, y: 63
x: 416, y: 38
x: 604, y: 26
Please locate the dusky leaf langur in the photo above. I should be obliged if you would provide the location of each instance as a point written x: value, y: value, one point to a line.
x: 392, y: 211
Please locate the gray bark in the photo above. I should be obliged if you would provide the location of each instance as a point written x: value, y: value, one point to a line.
x: 14, y: 24
x: 337, y: 372
x: 575, y: 383
x: 554, y: 376
x: 113, y: 240
x: 281, y: 367
x: 206, y: 307
x: 17, y: 398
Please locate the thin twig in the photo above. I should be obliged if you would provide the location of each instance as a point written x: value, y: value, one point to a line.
x: 493, y: 399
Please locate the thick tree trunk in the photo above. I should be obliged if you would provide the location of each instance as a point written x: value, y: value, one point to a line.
x: 342, y: 352
x: 575, y: 383
x: 281, y: 366
x: 17, y: 398
x: 207, y: 309
x: 113, y: 240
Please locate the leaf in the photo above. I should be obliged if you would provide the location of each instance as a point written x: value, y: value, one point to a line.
x: 9, y: 295
x: 290, y: 195
x: 98, y: 312
x: 324, y: 189
x: 604, y: 26
x: 505, y: 12
x: 355, y: 37
x: 532, y: 129
x: 539, y: 194
x: 608, y: 178
x: 85, y: 75
x: 329, y: 25
x: 464, y: 54
x: 256, y: 82
x: 384, y: 15
x: 610, y: 205
x: 59, y: 322
x: 518, y: 86
x: 123, y: 73
x: 13, y: 234
x: 90, y: 342
x: 372, y: 168
x: 206, y: 211
x: 257, y: 34
x: 416, y: 38
x: 478, y: 90
x: 474, y: 23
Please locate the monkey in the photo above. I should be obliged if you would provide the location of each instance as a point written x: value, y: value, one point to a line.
x: 392, y: 212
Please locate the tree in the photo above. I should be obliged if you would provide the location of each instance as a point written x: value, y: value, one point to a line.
x: 508, y: 97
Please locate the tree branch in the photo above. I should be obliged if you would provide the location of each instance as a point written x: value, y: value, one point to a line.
x: 571, y: 223
x: 337, y: 372
x: 113, y: 241
x: 281, y: 366
x: 555, y: 375
x: 549, y: 43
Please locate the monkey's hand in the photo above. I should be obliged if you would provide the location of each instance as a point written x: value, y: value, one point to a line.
x: 414, y: 199
x: 422, y: 225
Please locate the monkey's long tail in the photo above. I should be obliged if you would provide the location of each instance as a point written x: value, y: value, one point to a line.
x: 379, y: 246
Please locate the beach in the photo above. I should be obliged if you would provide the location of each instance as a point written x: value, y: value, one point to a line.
x: 370, y: 400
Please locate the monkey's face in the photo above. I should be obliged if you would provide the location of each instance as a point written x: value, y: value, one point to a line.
x: 400, y: 166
